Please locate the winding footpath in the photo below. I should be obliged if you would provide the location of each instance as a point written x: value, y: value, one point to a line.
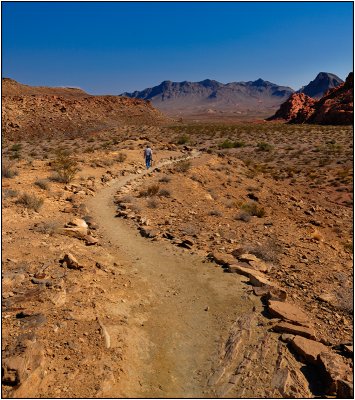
x: 179, y: 312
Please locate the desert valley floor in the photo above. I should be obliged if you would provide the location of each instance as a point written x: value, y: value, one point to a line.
x: 223, y: 271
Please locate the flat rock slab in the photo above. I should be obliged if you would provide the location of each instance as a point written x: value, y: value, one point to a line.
x: 308, y: 349
x: 288, y: 312
x: 247, y: 257
x: 285, y: 327
x: 260, y: 266
x: 238, y: 269
x: 222, y: 258
x: 259, y: 281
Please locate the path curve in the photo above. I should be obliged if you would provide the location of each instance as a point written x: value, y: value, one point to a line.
x: 186, y: 307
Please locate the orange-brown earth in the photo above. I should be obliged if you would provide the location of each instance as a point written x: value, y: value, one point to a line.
x: 36, y: 111
x: 225, y: 274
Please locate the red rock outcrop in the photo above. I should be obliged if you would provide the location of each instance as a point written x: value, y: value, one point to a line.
x: 336, y: 107
x: 298, y: 107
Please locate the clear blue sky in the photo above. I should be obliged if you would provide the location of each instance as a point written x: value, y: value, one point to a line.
x: 106, y: 47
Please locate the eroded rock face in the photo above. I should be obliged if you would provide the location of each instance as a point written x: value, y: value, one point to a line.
x: 298, y: 107
x: 336, y: 107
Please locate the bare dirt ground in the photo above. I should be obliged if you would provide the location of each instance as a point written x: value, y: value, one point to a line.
x: 151, y: 313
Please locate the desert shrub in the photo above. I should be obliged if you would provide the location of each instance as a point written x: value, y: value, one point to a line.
x: 121, y: 157
x: 65, y: 166
x: 48, y: 227
x: 9, y: 193
x: 152, y: 203
x: 7, y: 171
x: 165, y: 179
x: 16, y: 147
x: 183, y: 139
x: 268, y: 251
x: 150, y: 191
x: 263, y: 146
x: 348, y: 247
x: 42, y: 183
x: 227, y: 144
x: 215, y: 213
x: 30, y: 201
x: 243, y: 216
x: 183, y: 166
x: 164, y: 193
x: 253, y: 209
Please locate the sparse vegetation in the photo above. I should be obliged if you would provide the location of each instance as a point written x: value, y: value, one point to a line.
x: 183, y: 166
x: 262, y: 146
x: 253, y: 209
x: 228, y: 144
x: 151, y: 191
x: 183, y: 139
x: 121, y: 157
x: 165, y: 179
x: 30, y: 201
x: 43, y: 184
x: 164, y: 193
x: 7, y: 171
x: 47, y: 227
x: 152, y: 203
x: 9, y: 193
x: 65, y: 166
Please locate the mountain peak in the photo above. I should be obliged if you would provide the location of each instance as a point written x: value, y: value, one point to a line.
x: 321, y: 84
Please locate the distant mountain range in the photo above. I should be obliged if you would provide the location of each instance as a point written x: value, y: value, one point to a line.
x: 253, y: 98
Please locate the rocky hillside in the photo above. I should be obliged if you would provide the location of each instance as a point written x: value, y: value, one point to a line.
x: 254, y: 97
x: 336, y: 107
x: 321, y: 84
x: 32, y: 111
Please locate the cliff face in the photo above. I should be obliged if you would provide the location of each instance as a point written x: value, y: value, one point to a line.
x: 336, y: 107
x: 29, y: 111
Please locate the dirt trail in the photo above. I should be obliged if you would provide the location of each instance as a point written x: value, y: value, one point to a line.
x: 180, y: 313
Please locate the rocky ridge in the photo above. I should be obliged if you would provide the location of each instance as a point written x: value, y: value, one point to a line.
x: 31, y: 111
x: 336, y: 107
x: 210, y: 96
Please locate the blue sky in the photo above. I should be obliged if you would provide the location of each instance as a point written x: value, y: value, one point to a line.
x: 112, y: 47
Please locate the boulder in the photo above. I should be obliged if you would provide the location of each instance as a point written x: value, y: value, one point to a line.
x: 90, y: 240
x: 148, y: 232
x: 270, y: 292
x: 308, y: 349
x: 337, y: 375
x: 285, y: 327
x: 71, y: 262
x: 288, y: 312
x: 77, y: 222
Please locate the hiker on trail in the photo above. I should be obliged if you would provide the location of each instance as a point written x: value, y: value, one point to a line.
x: 148, y: 156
